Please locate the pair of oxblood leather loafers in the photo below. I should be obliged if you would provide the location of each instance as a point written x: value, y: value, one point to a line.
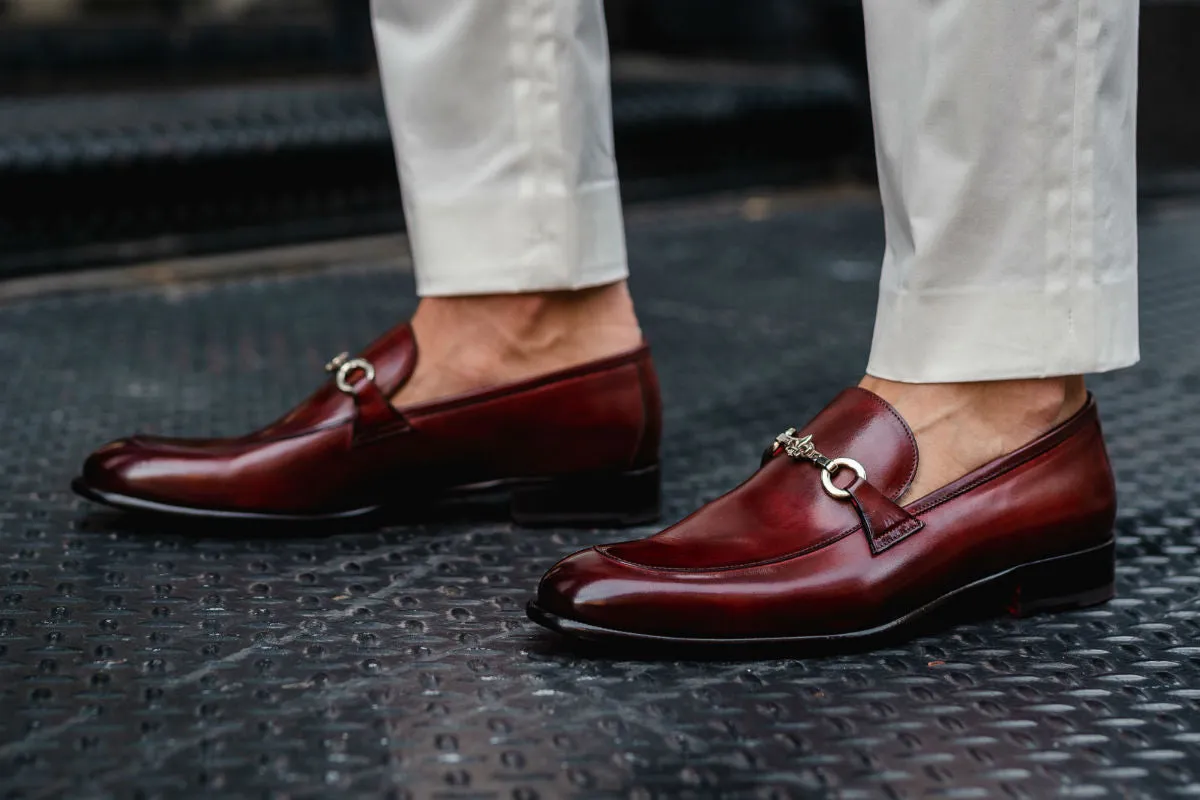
x: 813, y: 550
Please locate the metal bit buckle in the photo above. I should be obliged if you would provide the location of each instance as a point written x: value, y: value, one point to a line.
x: 344, y: 366
x: 802, y: 449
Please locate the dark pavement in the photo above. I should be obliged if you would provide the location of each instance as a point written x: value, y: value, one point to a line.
x: 148, y: 659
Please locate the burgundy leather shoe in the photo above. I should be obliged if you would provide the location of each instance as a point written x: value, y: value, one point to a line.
x: 579, y: 446
x: 815, y: 551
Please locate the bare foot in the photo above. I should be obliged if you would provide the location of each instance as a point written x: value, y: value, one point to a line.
x: 469, y: 343
x: 962, y: 426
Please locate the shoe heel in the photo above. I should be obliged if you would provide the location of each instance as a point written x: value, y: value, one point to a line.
x: 1067, y: 582
x: 606, y: 500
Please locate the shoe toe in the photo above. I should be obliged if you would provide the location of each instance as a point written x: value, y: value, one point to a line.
x: 592, y: 588
x: 114, y: 467
x: 147, y: 468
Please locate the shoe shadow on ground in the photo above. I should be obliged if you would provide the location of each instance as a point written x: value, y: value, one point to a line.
x: 528, y: 502
x: 100, y: 519
x: 545, y: 643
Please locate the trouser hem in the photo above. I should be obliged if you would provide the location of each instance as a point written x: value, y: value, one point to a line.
x: 998, y: 334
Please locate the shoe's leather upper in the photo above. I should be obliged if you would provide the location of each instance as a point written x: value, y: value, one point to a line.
x: 779, y: 557
x: 341, y: 451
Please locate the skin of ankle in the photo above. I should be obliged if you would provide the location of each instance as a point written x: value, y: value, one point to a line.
x: 472, y: 342
x: 960, y: 427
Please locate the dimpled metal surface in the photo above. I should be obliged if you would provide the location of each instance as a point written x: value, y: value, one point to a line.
x: 155, y: 659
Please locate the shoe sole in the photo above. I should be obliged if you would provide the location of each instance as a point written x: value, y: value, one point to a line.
x: 598, y: 500
x: 1063, y: 583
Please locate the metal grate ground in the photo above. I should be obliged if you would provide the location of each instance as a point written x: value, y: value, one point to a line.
x: 147, y: 660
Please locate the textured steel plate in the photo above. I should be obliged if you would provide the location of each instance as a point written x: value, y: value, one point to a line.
x: 148, y: 659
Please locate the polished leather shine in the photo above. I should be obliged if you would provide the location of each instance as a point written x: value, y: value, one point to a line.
x: 779, y: 558
x: 339, y: 454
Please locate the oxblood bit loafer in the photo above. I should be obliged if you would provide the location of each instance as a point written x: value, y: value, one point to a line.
x: 813, y: 549
x: 575, y: 447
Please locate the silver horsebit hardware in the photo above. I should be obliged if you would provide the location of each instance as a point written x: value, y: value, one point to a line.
x: 343, y: 365
x: 803, y: 448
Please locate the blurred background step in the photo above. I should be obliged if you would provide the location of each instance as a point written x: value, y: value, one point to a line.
x: 1169, y: 107
x: 94, y: 179
x: 123, y: 137
x: 141, y: 129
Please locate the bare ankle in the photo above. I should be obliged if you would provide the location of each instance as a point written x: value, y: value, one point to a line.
x: 471, y: 342
x: 1026, y: 403
x: 525, y: 325
x: 961, y: 426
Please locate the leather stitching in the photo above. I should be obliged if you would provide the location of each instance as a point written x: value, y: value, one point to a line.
x: 912, y: 440
x: 324, y: 426
x: 890, y: 534
x: 745, y: 565
x: 645, y: 420
x: 582, y: 371
x: 1051, y: 441
x: 895, y: 535
x: 389, y: 431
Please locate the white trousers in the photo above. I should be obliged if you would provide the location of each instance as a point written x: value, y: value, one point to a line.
x: 1005, y: 136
